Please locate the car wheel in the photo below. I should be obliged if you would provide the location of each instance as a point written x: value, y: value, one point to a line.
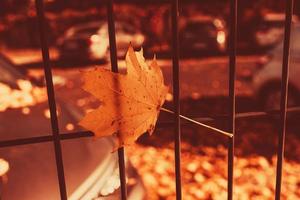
x: 271, y: 97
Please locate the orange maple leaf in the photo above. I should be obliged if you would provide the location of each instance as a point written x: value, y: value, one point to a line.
x: 130, y: 102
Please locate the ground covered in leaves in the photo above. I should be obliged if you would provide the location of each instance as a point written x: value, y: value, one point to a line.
x: 204, y: 174
x: 204, y: 166
x: 204, y: 153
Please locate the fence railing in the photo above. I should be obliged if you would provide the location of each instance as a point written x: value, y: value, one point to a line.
x: 284, y: 94
x: 56, y: 136
x: 232, y: 71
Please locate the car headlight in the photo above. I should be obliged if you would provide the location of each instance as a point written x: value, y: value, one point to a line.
x: 221, y: 37
x: 4, y: 167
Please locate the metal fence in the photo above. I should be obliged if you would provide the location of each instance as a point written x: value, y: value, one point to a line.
x: 56, y: 136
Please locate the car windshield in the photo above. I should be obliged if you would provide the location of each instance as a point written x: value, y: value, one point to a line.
x: 126, y: 28
x: 120, y: 28
x: 88, y: 30
x: 83, y: 29
x: 200, y: 28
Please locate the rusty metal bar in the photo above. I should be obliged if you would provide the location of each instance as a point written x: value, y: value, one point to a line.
x: 176, y: 92
x: 284, y: 95
x: 51, y: 98
x: 232, y: 71
x: 114, y: 68
x: 46, y: 138
x: 23, y: 141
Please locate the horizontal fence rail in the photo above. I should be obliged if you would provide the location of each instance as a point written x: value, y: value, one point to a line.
x: 165, y: 124
x: 232, y: 116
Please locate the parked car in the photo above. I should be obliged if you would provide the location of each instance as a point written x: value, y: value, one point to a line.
x: 270, y: 31
x: 75, y: 42
x: 199, y: 35
x: 91, y: 170
x: 267, y: 79
x: 90, y: 41
x: 202, y: 34
x: 264, y: 33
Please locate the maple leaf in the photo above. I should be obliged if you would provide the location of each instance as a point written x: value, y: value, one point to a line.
x: 130, y: 103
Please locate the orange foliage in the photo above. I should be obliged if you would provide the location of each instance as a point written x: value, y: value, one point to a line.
x: 130, y: 102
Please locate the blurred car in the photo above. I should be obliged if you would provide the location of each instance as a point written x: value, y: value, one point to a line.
x: 267, y: 80
x: 91, y: 170
x: 270, y: 31
x: 125, y: 34
x: 262, y: 33
x: 199, y: 35
x: 202, y: 34
x: 90, y: 41
x: 75, y: 42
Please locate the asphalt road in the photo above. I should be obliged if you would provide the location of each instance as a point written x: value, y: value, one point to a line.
x: 200, y: 79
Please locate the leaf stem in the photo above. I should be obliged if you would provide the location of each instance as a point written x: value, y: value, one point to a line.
x: 199, y: 123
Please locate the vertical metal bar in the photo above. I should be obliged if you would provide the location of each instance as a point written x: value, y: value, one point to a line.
x: 176, y: 91
x: 51, y: 98
x: 114, y: 67
x: 232, y: 67
x: 284, y: 95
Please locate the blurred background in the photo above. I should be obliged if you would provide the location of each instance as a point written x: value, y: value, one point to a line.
x: 78, y: 40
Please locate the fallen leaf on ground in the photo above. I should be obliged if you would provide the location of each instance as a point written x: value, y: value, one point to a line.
x: 130, y: 103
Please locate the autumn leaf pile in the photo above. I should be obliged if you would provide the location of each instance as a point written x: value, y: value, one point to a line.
x: 130, y: 103
x: 204, y: 174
